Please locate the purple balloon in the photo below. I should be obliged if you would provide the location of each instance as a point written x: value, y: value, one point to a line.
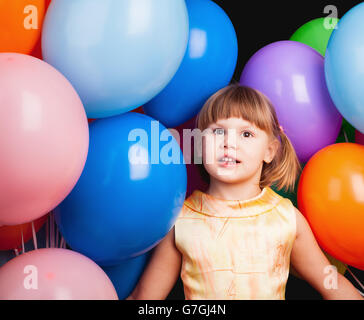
x: 291, y: 74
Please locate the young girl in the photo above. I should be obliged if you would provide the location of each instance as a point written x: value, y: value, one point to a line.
x: 237, y: 239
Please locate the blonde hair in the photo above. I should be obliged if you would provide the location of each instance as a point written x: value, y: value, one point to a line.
x: 240, y: 101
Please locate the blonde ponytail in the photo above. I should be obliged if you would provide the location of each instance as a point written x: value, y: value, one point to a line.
x: 285, y: 167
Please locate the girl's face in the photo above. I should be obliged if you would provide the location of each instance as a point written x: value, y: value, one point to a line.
x: 234, y: 149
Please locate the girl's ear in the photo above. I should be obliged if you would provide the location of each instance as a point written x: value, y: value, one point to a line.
x: 271, y: 150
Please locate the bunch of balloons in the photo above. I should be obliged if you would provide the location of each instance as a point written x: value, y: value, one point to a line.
x: 88, y: 91
x: 112, y: 186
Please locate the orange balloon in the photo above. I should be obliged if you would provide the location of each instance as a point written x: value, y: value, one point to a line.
x: 10, y: 236
x: 20, y: 24
x: 331, y: 197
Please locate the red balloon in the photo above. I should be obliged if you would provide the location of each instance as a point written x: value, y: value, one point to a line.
x: 10, y: 236
x: 359, y: 137
x: 139, y: 110
x: 194, y: 179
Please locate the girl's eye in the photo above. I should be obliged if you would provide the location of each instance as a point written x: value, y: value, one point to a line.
x: 246, y: 134
x: 218, y: 131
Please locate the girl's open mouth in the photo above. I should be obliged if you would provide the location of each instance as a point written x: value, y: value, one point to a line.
x: 228, y: 162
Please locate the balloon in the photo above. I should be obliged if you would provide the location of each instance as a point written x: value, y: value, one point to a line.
x: 118, y: 54
x: 347, y: 132
x: 54, y: 274
x: 330, y: 195
x: 43, y: 138
x: 359, y: 137
x: 37, y: 51
x: 11, y: 236
x: 208, y: 65
x: 5, y: 256
x: 125, y: 275
x: 344, y: 66
x: 293, y: 197
x: 20, y: 24
x: 130, y: 192
x: 139, y: 110
x: 194, y: 179
x: 298, y: 92
x: 316, y: 33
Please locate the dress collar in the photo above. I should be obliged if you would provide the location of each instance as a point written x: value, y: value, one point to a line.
x: 206, y: 204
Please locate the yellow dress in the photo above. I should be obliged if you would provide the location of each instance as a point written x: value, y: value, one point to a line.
x: 235, y: 249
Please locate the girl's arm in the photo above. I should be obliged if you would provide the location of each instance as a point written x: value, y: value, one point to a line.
x: 161, y: 272
x: 311, y: 263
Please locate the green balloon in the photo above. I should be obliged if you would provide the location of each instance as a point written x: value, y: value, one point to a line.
x: 315, y: 34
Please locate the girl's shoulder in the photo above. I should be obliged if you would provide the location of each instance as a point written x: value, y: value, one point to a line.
x: 192, y: 204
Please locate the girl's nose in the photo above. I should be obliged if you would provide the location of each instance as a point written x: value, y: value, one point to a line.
x: 230, y: 139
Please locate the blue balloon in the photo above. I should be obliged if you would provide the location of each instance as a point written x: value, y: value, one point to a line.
x: 130, y: 192
x: 344, y: 66
x: 125, y: 276
x: 118, y: 54
x: 208, y: 65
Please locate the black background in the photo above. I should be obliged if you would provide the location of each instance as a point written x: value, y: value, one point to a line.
x: 259, y: 23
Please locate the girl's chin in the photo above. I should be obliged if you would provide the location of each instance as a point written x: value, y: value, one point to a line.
x: 228, y: 165
x: 227, y: 174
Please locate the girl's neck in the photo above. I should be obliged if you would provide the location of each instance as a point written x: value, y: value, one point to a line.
x: 233, y: 191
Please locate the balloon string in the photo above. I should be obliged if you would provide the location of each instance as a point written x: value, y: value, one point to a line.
x: 22, y: 240
x: 34, y: 237
x: 47, y: 232
x: 355, y: 278
x: 52, y: 230
x: 61, y: 243
x: 346, y: 137
x: 57, y: 233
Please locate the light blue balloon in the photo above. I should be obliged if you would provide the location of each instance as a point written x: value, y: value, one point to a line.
x: 208, y: 65
x: 344, y: 66
x: 118, y: 54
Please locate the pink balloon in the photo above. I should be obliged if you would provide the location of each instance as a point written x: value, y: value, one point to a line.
x: 43, y: 138
x: 194, y: 180
x: 54, y: 274
x: 359, y: 137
